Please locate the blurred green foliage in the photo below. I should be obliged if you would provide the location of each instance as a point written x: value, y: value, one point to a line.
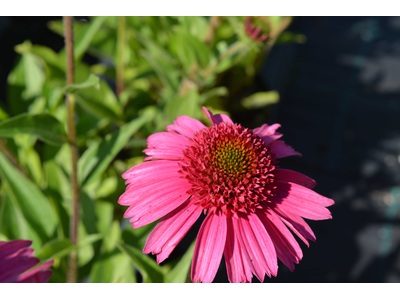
x: 167, y: 66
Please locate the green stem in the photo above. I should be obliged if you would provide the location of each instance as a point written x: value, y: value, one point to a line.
x: 212, y: 27
x: 121, y: 53
x: 70, y: 102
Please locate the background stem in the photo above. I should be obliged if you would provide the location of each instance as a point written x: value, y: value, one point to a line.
x: 121, y: 53
x: 70, y: 102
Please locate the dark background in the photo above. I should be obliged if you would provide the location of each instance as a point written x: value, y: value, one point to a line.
x: 340, y: 108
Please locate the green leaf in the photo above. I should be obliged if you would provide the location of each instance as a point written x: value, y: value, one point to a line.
x: 12, y: 222
x: 215, y: 92
x: 44, y: 126
x: 180, y: 271
x: 100, y: 102
x: 260, y: 99
x: 187, y: 105
x: 56, y: 248
x: 98, y: 156
x: 34, y: 76
x: 149, y: 269
x: 84, y: 38
x: 59, y: 248
x: 92, y: 81
x: 33, y: 204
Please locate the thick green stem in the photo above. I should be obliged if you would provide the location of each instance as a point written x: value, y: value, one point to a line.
x: 121, y: 53
x: 70, y: 102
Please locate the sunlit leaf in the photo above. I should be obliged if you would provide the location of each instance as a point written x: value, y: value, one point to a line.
x: 97, y: 157
x: 31, y: 201
x: 92, y: 81
x: 149, y: 269
x: 180, y: 272
x: 260, y: 99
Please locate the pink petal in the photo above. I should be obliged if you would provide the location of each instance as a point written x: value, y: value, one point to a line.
x: 281, y: 149
x: 296, y: 177
x: 186, y: 126
x: 15, y: 266
x: 165, y: 145
x: 10, y: 248
x: 157, y: 202
x: 293, y: 190
x: 144, y: 183
x: 146, y: 167
x: 287, y: 249
x: 155, y: 173
x: 209, y: 247
x: 258, y: 244
x: 171, y: 229
x: 268, y: 133
x: 37, y: 275
x: 216, y: 119
x: 305, y: 209
x: 296, y: 224
x: 237, y: 266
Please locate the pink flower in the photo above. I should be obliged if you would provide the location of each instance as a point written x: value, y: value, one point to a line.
x: 231, y: 174
x: 16, y: 257
x: 257, y: 32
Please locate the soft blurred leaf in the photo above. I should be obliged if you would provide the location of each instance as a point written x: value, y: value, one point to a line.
x: 34, y: 75
x: 149, y: 269
x: 100, y: 102
x: 260, y: 99
x: 112, y: 265
x: 97, y: 157
x: 13, y: 223
x: 215, y: 92
x: 180, y: 271
x: 92, y: 81
x: 86, y: 35
x: 58, y: 248
x: 33, y: 204
x: 104, y: 213
x: 187, y: 105
x: 44, y: 126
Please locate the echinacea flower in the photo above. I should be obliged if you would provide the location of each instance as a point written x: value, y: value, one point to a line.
x: 257, y: 28
x: 231, y: 174
x: 16, y: 257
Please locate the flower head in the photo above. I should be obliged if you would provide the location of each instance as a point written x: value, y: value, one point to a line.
x: 231, y: 174
x: 257, y: 28
x: 16, y: 257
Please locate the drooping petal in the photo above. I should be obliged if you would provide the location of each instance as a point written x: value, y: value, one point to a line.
x: 287, y: 249
x: 171, y: 229
x: 281, y: 149
x: 186, y: 126
x: 291, y: 199
x: 157, y: 202
x: 296, y: 224
x: 216, y: 119
x: 237, y: 265
x: 209, y: 247
x: 296, y: 177
x: 258, y: 244
x: 294, y: 190
x: 268, y: 133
